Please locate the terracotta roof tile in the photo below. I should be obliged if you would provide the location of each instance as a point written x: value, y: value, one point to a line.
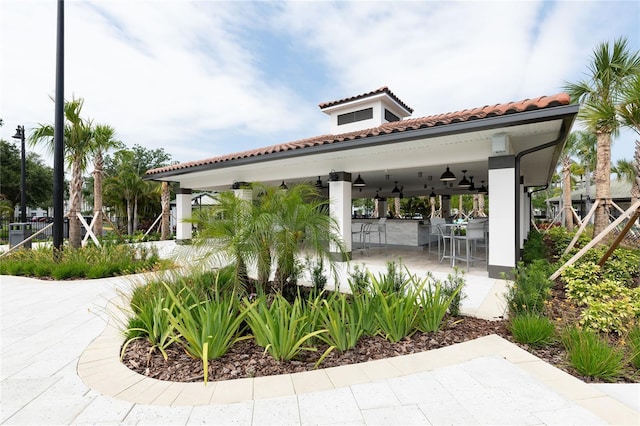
x: 383, y: 89
x: 387, y: 128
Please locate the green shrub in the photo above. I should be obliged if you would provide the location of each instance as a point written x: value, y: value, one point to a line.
x: 435, y: 301
x: 150, y: 320
x: 366, y: 305
x: 608, y: 315
x: 534, y: 248
x: 452, y: 287
x: 89, y: 261
x: 282, y: 328
x: 634, y: 345
x: 532, y: 329
x: 318, y: 278
x: 343, y: 322
x: 393, y: 281
x: 207, y: 329
x: 592, y: 355
x: 531, y: 288
x: 359, y: 281
x: 396, y: 314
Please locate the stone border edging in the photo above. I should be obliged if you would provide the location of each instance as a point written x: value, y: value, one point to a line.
x: 100, y: 368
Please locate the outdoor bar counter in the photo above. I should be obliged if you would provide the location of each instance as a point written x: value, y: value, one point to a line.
x: 400, y: 232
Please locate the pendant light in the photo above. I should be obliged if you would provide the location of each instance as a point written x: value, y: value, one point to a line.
x: 464, y: 182
x: 395, y: 188
x: 472, y: 187
x: 359, y: 182
x: 483, y: 189
x: 447, y: 175
x: 283, y: 185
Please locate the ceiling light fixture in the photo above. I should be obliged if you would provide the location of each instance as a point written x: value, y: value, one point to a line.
x: 472, y: 186
x: 483, y: 189
x: 395, y: 188
x: 447, y: 175
x: 283, y: 185
x: 359, y: 182
x: 464, y: 182
x: 433, y: 194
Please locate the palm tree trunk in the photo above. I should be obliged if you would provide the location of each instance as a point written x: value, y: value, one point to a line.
x: 98, y: 174
x: 165, y: 201
x: 75, y: 239
x: 129, y: 217
x: 566, y: 193
x: 135, y: 214
x: 635, y: 188
x: 603, y: 182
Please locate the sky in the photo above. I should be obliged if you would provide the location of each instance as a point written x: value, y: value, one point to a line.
x: 207, y: 78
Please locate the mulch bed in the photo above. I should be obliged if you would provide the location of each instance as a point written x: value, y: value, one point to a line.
x: 246, y: 359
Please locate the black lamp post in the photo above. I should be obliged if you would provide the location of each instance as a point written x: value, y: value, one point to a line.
x: 23, y: 177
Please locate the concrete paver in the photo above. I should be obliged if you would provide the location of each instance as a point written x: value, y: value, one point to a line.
x: 52, y: 332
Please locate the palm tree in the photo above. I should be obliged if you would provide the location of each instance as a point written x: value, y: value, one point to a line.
x: 165, y: 202
x: 78, y: 138
x: 127, y: 187
x: 626, y: 170
x: 566, y: 160
x: 224, y: 235
x: 609, y: 72
x: 273, y: 230
x: 103, y: 140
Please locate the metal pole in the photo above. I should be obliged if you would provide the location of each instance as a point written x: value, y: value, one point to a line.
x: 58, y: 136
x: 23, y: 180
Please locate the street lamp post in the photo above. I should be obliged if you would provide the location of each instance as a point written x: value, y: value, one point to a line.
x: 23, y: 177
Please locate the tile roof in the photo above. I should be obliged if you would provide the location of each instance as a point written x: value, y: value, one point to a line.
x: 383, y: 89
x: 487, y: 111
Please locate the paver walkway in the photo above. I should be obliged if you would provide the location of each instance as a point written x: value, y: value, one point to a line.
x: 50, y: 331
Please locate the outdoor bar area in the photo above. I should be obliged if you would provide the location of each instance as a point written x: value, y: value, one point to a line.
x: 376, y: 160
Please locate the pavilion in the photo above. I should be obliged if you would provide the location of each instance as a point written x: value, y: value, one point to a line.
x: 513, y: 147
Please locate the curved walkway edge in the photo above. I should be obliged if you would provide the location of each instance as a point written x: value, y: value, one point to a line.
x: 100, y: 368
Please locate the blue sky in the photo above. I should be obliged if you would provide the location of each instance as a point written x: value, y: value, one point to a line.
x: 207, y: 78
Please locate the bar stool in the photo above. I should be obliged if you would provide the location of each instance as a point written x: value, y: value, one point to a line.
x: 382, y: 231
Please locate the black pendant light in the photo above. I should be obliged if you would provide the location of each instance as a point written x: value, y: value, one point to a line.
x: 319, y: 183
x: 359, y: 181
x: 483, y: 189
x: 464, y: 182
x: 395, y: 188
x: 447, y: 175
x: 472, y: 187
x: 433, y: 194
x: 283, y: 185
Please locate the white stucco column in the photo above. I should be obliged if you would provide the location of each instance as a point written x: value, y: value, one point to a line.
x: 243, y: 194
x: 340, y: 209
x: 525, y: 216
x: 183, y: 211
x: 502, y: 216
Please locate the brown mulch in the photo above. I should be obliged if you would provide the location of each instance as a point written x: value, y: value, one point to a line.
x: 246, y: 359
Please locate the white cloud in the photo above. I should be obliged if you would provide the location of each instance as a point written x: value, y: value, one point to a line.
x: 207, y: 78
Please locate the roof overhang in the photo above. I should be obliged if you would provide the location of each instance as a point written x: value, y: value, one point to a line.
x: 414, y: 158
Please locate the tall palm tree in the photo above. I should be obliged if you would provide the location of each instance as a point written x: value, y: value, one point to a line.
x: 78, y: 139
x: 586, y: 155
x: 103, y: 141
x: 566, y: 160
x: 626, y: 170
x: 609, y: 72
x: 165, y: 202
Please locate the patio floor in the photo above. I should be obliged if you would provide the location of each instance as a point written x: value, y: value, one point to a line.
x: 60, y: 346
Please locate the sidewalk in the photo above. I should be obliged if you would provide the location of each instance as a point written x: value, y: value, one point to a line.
x: 60, y: 366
